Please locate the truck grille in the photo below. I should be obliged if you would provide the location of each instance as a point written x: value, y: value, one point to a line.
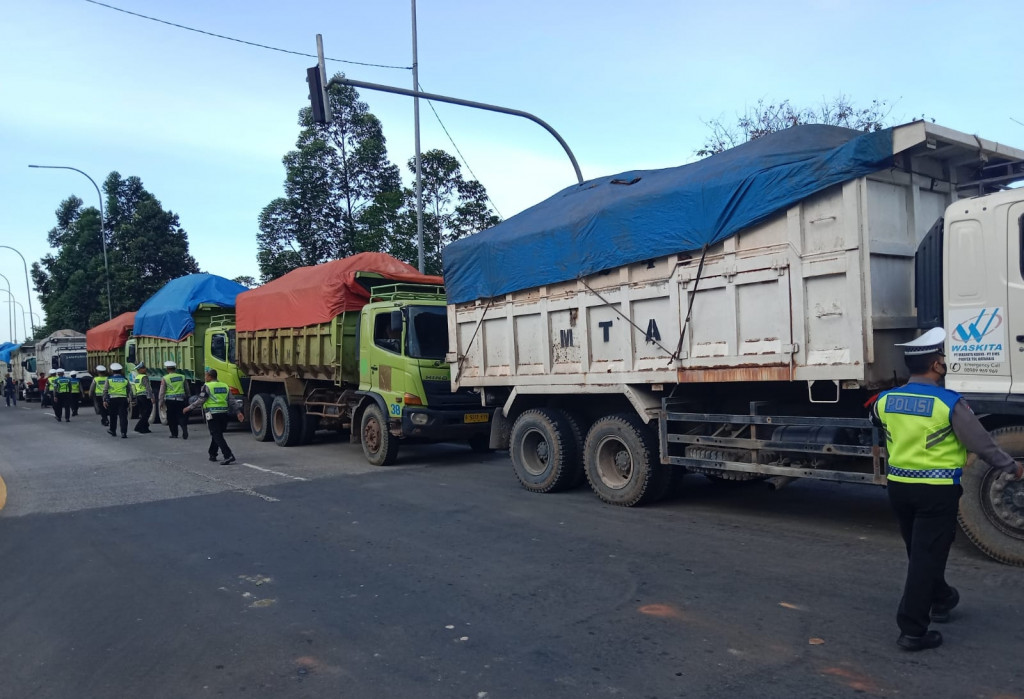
x: 439, y: 395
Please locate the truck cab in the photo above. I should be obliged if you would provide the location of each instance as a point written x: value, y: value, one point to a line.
x: 403, y: 339
x: 221, y: 353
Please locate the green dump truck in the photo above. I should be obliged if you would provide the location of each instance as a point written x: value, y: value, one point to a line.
x: 189, y: 322
x: 356, y: 344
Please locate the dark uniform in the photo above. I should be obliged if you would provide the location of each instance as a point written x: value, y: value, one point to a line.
x: 76, y: 393
x: 116, y: 395
x: 928, y: 432
x: 218, y: 405
x: 174, y: 396
x: 96, y: 391
x: 143, y: 399
x: 62, y: 396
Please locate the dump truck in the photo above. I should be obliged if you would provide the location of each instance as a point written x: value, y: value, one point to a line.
x: 734, y: 316
x: 63, y: 349
x: 105, y: 343
x: 355, y: 345
x: 23, y: 370
x: 189, y: 321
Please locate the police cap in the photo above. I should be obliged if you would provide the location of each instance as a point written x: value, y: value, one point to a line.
x: 932, y: 342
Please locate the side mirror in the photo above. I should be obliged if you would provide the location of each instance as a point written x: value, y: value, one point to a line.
x: 396, y: 321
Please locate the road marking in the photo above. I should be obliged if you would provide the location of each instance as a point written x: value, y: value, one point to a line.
x: 3, y: 493
x: 276, y: 473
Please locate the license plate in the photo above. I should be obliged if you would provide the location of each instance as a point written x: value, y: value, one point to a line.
x: 475, y: 417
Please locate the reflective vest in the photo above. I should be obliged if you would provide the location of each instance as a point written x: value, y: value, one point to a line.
x: 50, y: 381
x: 174, y: 387
x: 76, y: 386
x: 919, y: 435
x: 63, y: 384
x: 217, y: 402
x: 117, y: 386
x: 100, y: 383
x: 138, y: 384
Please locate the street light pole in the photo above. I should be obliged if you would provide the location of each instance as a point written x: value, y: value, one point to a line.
x: 416, y: 130
x: 10, y: 309
x: 11, y: 301
x: 24, y: 264
x: 103, y: 236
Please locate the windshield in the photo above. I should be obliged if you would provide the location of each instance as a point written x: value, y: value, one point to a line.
x: 427, y: 332
x: 73, y: 362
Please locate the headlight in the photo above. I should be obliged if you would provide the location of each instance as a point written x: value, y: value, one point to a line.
x: 419, y: 418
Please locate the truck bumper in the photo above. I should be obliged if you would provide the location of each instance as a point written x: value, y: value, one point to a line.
x: 445, y: 425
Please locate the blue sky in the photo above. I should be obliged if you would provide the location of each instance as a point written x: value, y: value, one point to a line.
x: 204, y: 122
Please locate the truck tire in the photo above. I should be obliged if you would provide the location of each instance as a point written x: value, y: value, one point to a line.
x: 621, y: 462
x: 96, y: 405
x: 259, y: 417
x: 161, y: 413
x: 380, y: 447
x: 543, y: 450
x: 579, y: 434
x: 285, y: 422
x: 992, y: 507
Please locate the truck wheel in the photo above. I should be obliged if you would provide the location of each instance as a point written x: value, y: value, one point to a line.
x: 992, y: 507
x: 96, y: 406
x: 380, y: 447
x: 259, y: 417
x: 579, y: 433
x: 543, y: 450
x: 620, y: 458
x: 285, y: 422
x: 161, y: 412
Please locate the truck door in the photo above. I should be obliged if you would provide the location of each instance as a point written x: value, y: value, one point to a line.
x: 387, y: 364
x: 220, y: 355
x: 1015, y: 293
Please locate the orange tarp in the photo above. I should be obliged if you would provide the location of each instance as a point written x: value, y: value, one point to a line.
x: 311, y: 295
x: 110, y: 335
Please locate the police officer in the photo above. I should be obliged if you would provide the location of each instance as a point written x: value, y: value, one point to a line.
x: 172, y: 398
x: 928, y: 431
x: 116, y: 395
x: 62, y: 396
x: 75, y: 396
x: 96, y: 392
x: 47, y: 398
x: 143, y: 397
x: 217, y: 402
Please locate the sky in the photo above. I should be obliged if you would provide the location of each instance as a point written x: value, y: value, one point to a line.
x: 204, y: 121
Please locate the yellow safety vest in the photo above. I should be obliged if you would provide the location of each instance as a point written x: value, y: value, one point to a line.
x: 117, y: 386
x: 100, y: 382
x: 174, y: 387
x: 217, y: 402
x: 919, y: 435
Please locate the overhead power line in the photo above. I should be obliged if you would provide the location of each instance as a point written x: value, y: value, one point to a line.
x: 242, y: 41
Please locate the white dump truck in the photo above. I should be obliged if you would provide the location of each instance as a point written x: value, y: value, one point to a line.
x: 735, y: 316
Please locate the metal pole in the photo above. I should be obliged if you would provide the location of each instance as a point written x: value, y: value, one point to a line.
x: 103, y: 237
x: 28, y: 289
x: 465, y: 103
x: 416, y: 123
x: 10, y: 310
x: 11, y: 301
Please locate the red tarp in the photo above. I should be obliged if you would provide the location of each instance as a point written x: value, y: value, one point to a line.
x: 311, y: 295
x: 110, y: 335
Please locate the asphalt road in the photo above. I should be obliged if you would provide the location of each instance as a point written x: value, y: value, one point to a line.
x: 137, y: 568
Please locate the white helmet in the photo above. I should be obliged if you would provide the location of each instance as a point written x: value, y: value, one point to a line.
x: 100, y: 367
x: 116, y: 367
x: 73, y: 374
x: 52, y: 372
x: 169, y: 364
x: 60, y: 370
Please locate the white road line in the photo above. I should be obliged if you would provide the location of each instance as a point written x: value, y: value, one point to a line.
x: 276, y: 473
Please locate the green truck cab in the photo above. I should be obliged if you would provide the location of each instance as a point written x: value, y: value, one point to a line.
x: 403, y: 341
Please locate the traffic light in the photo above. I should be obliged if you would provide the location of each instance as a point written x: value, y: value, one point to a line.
x: 316, y: 95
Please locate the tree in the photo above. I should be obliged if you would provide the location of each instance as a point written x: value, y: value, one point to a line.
x: 146, y: 248
x: 339, y: 188
x: 453, y: 207
x: 246, y: 281
x: 768, y: 117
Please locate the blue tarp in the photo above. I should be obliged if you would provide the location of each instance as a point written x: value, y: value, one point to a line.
x: 602, y: 224
x: 6, y: 349
x: 168, y: 312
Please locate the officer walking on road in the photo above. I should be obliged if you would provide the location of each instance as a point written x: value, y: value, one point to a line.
x: 143, y: 398
x: 173, y: 398
x: 217, y: 402
x: 47, y: 397
x: 99, y: 384
x: 116, y: 395
x: 75, y: 396
x: 62, y: 396
x: 928, y: 431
